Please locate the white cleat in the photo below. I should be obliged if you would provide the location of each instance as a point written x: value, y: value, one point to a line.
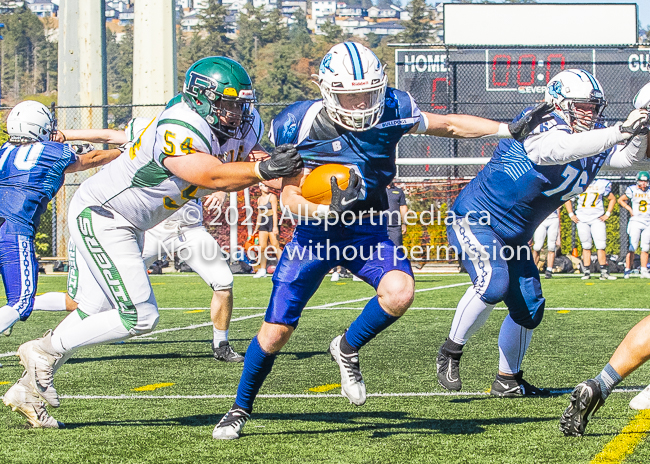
x: 231, y: 425
x: 39, y: 366
x: 21, y: 399
x: 642, y: 400
x: 260, y: 273
x: 335, y: 276
x: 352, y: 385
x: 7, y: 333
x: 645, y: 274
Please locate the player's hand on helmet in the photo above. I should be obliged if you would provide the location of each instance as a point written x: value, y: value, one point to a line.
x: 344, y: 199
x: 636, y: 123
x: 524, y: 126
x: 285, y: 161
x: 81, y: 148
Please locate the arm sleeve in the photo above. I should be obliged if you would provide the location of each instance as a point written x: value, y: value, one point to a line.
x: 623, y: 157
x: 559, y: 147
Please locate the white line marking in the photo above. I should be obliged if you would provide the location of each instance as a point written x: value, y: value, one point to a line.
x: 309, y: 395
x: 196, y: 326
x: 9, y: 354
x: 329, y: 305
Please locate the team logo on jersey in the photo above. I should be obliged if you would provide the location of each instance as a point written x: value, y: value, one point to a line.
x: 199, y: 82
x: 391, y: 101
x: 290, y: 126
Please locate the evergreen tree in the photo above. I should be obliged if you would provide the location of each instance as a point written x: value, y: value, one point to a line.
x: 213, y: 30
x: 299, y: 34
x: 332, y: 33
x: 418, y: 28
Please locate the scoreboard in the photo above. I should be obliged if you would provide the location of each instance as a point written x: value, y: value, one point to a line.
x: 498, y: 83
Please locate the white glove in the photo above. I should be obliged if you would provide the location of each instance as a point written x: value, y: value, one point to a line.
x: 636, y: 123
x: 81, y: 148
x: 642, y: 98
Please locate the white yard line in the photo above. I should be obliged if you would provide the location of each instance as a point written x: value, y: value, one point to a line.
x: 195, y: 326
x: 308, y: 395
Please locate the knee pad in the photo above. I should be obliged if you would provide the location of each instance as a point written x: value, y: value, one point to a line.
x: 531, y: 318
x: 497, y: 287
x: 587, y: 245
x: 539, y: 247
x: 147, y: 318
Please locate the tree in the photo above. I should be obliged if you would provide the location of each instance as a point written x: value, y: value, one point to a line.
x: 418, y: 28
x: 212, y: 29
x: 331, y: 32
x: 299, y: 34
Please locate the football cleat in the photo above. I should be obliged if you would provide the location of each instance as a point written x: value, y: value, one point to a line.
x: 516, y: 387
x: 448, y: 365
x: 21, y: 399
x: 7, y: 333
x: 548, y: 274
x: 39, y: 366
x: 352, y: 385
x: 224, y: 352
x: 604, y: 275
x: 645, y: 274
x: 626, y: 273
x: 587, y: 276
x: 335, y: 276
x: 642, y: 400
x: 585, y: 400
x: 231, y: 425
x: 260, y: 273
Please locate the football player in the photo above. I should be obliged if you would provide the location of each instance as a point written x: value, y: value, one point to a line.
x: 638, y: 227
x: 193, y: 147
x: 519, y: 187
x: 590, y: 217
x: 358, y: 123
x: 549, y: 229
x: 183, y: 231
x: 32, y: 170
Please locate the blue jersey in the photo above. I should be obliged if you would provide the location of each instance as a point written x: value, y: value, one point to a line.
x: 519, y: 194
x: 30, y: 176
x: 371, y: 152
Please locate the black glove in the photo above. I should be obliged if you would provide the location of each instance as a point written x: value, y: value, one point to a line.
x: 522, y: 128
x: 81, y: 148
x: 343, y: 200
x: 285, y: 161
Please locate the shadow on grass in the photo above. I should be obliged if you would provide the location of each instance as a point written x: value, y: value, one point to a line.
x: 380, y: 423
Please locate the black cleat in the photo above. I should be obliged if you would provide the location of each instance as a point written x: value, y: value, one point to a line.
x: 224, y: 352
x: 448, y: 364
x: 515, y: 387
x: 548, y: 274
x: 585, y: 400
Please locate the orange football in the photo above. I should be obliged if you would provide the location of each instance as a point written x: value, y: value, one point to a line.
x: 317, y: 187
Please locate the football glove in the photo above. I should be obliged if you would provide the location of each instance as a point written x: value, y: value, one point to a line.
x: 343, y: 200
x: 81, y: 148
x: 636, y: 123
x: 285, y: 161
x: 524, y: 126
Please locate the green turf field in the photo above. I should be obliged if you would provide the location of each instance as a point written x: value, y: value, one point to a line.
x: 408, y: 418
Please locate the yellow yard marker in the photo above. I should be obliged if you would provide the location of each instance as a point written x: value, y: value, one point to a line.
x: 195, y: 311
x: 623, y: 444
x: 159, y: 283
x: 325, y: 388
x: 152, y: 387
x: 563, y: 311
x: 590, y: 283
x: 343, y: 283
x: 5, y: 383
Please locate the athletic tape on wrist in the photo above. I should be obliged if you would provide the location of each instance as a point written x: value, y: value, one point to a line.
x: 257, y: 171
x: 503, y: 132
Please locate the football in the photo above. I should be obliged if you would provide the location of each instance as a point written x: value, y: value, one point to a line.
x: 317, y: 187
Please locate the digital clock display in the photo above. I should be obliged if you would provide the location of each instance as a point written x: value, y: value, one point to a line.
x: 498, y: 83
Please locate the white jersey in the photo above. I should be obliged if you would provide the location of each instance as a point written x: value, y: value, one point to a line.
x: 640, y: 204
x: 139, y: 187
x: 589, y: 204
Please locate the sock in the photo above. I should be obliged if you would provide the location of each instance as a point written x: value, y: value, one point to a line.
x: 52, y: 301
x: 257, y: 365
x: 73, y: 318
x: 219, y: 336
x: 100, y: 328
x: 513, y: 343
x: 608, y: 379
x: 452, y: 349
x: 549, y: 269
x: 8, y: 317
x: 471, y: 314
x: 372, y: 320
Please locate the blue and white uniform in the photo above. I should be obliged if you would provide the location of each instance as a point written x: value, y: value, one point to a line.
x: 30, y: 176
x: 371, y: 254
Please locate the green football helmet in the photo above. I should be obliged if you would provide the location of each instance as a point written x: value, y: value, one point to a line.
x: 221, y: 92
x: 643, y: 175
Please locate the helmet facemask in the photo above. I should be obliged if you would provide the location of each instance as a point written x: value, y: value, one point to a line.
x: 230, y: 116
x: 355, y: 109
x: 577, y: 117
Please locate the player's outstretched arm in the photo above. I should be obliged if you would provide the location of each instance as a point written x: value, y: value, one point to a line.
x: 206, y: 171
x: 93, y: 159
x: 459, y: 126
x: 91, y: 135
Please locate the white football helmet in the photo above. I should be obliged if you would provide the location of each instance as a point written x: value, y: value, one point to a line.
x: 29, y: 121
x: 135, y: 127
x: 642, y: 98
x: 573, y: 86
x: 351, y: 70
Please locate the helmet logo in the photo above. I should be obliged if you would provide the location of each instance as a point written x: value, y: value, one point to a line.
x: 246, y: 93
x: 229, y: 92
x: 325, y: 64
x: 555, y: 89
x: 198, y: 82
